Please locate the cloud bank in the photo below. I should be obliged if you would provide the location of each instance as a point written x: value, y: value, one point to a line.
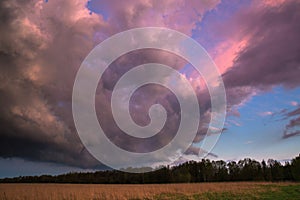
x: 43, y: 44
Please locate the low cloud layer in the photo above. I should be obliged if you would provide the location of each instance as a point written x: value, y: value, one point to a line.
x: 292, y: 128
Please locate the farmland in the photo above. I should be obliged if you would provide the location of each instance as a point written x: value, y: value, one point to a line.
x: 229, y: 190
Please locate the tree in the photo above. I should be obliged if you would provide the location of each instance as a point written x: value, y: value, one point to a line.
x: 266, y: 171
x: 276, y: 170
x: 295, y: 168
x: 221, y: 170
x: 234, y: 171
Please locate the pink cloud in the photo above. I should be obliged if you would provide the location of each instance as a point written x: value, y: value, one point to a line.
x: 267, y: 113
x: 294, y: 103
x: 271, y: 3
x: 226, y: 52
x: 179, y: 15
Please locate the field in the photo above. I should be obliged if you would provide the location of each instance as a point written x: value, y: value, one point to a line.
x: 240, y: 190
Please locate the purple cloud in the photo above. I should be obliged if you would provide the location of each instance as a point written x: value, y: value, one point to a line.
x: 43, y: 45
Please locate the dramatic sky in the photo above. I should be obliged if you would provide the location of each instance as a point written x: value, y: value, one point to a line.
x: 255, y: 45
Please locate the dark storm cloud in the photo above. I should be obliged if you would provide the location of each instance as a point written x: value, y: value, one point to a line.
x: 41, y: 48
x: 43, y: 44
x: 271, y: 56
x: 31, y: 124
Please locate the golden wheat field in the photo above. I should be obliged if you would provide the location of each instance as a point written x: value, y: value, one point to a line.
x: 244, y: 190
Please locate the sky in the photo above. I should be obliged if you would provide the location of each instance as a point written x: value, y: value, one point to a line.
x: 255, y: 45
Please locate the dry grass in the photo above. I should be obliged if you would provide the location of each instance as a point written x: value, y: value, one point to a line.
x: 111, y: 192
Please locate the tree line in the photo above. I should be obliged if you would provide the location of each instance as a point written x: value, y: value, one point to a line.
x: 189, y: 172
